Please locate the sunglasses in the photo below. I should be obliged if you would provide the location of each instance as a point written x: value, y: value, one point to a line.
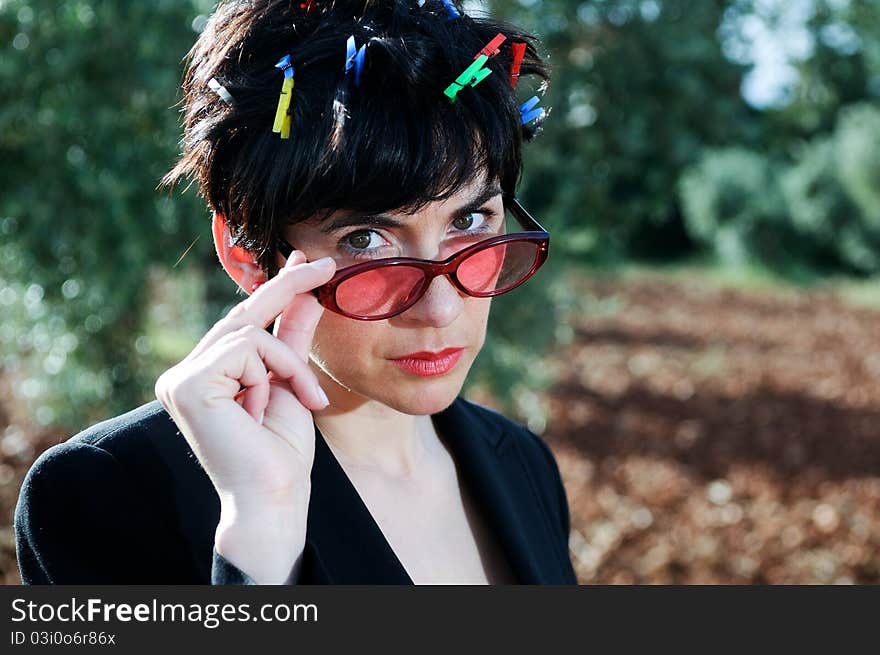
x: 380, y: 289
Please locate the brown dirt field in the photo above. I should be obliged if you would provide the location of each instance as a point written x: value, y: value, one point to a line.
x: 704, y: 434
x: 710, y: 435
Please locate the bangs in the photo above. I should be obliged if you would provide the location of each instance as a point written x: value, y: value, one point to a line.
x: 389, y: 157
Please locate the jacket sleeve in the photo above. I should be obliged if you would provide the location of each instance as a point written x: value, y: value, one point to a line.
x: 225, y: 572
x: 80, y: 519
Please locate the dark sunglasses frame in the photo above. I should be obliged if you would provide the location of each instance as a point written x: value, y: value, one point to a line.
x: 535, y: 233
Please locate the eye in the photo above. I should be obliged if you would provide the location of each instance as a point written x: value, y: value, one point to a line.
x: 359, y: 240
x: 466, y: 221
x: 368, y: 243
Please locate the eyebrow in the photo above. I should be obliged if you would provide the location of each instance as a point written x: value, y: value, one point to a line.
x: 384, y: 220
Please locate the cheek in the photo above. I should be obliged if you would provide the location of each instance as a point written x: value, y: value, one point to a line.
x: 342, y: 343
x: 478, y: 318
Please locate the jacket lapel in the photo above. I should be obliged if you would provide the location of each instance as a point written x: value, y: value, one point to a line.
x: 491, y: 466
x: 344, y: 544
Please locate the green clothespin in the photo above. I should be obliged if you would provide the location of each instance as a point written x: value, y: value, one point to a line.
x: 472, y: 75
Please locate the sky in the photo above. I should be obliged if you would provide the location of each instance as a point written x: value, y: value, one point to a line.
x: 771, y: 39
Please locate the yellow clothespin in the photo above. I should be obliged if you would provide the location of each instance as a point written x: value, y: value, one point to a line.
x: 282, y: 117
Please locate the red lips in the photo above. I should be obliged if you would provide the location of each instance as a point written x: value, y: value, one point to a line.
x: 423, y: 354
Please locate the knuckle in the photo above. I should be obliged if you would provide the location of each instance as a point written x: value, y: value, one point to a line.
x: 237, y: 312
x: 184, y: 392
x: 172, y: 384
x: 160, y: 388
x: 249, y: 334
x: 250, y: 331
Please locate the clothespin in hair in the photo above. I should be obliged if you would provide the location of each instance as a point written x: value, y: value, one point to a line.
x: 528, y: 113
x: 354, y: 57
x: 453, y: 12
x: 472, y: 75
x: 519, y: 50
x: 491, y: 48
x: 221, y: 91
x: 282, y: 117
x: 475, y: 73
x: 308, y: 5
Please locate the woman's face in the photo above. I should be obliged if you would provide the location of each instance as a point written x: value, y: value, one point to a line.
x: 356, y: 354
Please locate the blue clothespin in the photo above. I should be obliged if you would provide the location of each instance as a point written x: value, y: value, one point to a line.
x: 354, y: 57
x: 286, y: 66
x: 453, y: 12
x: 529, y: 114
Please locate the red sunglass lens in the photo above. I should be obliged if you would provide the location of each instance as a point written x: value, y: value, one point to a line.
x: 378, y: 291
x: 498, y: 267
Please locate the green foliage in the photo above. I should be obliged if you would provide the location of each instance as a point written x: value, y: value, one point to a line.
x: 819, y: 210
x: 86, y: 130
x: 857, y: 159
x: 732, y: 203
x: 639, y: 89
x: 829, y: 195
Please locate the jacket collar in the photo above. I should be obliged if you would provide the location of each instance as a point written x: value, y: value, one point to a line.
x: 344, y: 544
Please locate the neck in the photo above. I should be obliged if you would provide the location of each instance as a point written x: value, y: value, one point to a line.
x: 366, y: 434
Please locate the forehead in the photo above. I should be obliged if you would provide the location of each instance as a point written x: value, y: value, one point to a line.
x: 477, y: 191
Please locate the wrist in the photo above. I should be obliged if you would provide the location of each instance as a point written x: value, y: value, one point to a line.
x: 270, y: 517
x: 267, y: 546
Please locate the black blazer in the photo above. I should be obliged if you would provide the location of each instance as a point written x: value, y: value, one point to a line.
x: 127, y: 502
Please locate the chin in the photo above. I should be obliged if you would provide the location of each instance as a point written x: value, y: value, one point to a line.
x: 423, y: 396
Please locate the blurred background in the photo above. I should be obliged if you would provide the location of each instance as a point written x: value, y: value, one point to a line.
x: 707, y: 323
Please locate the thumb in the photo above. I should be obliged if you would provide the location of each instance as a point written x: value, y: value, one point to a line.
x: 296, y: 325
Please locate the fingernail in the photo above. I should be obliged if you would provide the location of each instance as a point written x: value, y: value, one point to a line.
x: 323, y: 396
x: 324, y: 262
x: 296, y: 257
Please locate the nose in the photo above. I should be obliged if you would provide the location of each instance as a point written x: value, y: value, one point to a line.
x: 439, y: 307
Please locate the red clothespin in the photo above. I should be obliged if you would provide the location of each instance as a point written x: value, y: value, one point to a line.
x: 491, y: 48
x: 519, y: 50
x: 308, y: 5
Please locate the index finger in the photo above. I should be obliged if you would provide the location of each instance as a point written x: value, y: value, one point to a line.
x: 265, y: 304
x: 270, y: 299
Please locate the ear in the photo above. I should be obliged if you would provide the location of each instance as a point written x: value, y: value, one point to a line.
x: 238, y: 263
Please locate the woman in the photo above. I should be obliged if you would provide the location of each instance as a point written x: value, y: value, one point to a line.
x: 316, y: 434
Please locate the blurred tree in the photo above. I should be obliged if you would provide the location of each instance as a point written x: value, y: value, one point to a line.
x: 814, y: 212
x: 86, y: 130
x: 831, y: 190
x: 639, y: 88
x: 732, y: 203
x: 843, y: 67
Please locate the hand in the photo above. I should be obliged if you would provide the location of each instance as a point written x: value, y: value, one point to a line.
x: 256, y: 444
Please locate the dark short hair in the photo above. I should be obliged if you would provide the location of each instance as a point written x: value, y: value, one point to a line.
x: 403, y: 143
